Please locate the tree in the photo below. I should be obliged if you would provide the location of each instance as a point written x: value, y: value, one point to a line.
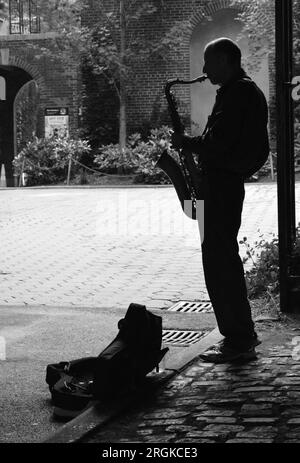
x: 114, y: 45
x: 118, y: 45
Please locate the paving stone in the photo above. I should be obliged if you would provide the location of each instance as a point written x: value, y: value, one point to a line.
x: 294, y: 394
x: 293, y: 431
x: 290, y: 441
x: 254, y: 389
x: 260, y: 420
x: 165, y: 414
x: 223, y: 429
x: 188, y: 401
x: 197, y: 440
x: 288, y: 381
x: 278, y: 399
x: 249, y: 441
x: 201, y: 434
x: 215, y: 412
x: 260, y: 431
x: 225, y: 401
x: 162, y: 438
x: 162, y: 422
x: 256, y: 409
x: 180, y: 428
x: 291, y: 411
x: 145, y: 432
x: 294, y: 421
x: 217, y: 419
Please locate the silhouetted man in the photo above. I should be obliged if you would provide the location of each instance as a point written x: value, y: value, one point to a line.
x: 233, y: 146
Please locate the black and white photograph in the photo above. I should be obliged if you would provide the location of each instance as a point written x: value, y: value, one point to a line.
x: 149, y: 227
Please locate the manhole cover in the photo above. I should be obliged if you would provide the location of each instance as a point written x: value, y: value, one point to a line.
x: 195, y: 307
x: 181, y: 338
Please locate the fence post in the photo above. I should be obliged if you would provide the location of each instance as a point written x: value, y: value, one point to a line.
x: 272, y: 166
x: 69, y: 170
x: 21, y: 174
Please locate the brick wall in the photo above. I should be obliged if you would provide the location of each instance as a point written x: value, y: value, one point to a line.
x: 58, y: 83
x: 148, y: 99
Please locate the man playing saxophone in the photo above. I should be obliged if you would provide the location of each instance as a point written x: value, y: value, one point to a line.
x: 233, y: 146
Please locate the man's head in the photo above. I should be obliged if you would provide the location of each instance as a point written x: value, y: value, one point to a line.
x: 222, y: 60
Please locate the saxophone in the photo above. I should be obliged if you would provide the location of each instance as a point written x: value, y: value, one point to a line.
x: 185, y: 177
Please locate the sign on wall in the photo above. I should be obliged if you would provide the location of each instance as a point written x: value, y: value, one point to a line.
x: 56, y: 122
x: 296, y: 89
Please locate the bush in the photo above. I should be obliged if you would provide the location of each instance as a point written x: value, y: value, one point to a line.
x: 46, y: 160
x: 263, y: 277
x: 139, y: 157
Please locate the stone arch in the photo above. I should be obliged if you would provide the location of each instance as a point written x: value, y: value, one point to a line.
x: 202, y: 22
x: 205, y: 11
x: 16, y: 73
x: 30, y: 69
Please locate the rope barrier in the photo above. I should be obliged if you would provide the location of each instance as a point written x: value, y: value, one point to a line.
x: 99, y: 172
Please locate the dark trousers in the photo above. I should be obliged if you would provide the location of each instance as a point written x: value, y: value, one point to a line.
x: 223, y: 268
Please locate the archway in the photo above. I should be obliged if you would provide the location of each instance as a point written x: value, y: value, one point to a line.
x: 15, y: 79
x: 26, y: 106
x: 222, y: 24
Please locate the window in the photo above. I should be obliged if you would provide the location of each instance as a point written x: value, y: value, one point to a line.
x: 23, y: 17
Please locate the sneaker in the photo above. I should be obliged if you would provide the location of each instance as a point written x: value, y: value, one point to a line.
x: 222, y: 354
x: 255, y: 341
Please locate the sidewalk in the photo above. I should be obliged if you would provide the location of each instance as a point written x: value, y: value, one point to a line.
x: 258, y: 402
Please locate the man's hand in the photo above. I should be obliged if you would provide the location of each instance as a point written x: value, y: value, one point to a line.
x: 176, y: 140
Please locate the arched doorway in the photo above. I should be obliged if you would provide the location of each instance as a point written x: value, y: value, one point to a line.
x: 222, y: 24
x: 15, y: 79
x: 26, y: 107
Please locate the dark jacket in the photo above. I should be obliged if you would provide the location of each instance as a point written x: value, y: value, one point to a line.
x: 235, y: 138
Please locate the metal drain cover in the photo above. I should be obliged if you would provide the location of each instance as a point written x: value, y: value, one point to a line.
x: 181, y: 338
x: 195, y: 307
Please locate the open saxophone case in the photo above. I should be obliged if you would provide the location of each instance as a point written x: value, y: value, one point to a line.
x: 121, y: 368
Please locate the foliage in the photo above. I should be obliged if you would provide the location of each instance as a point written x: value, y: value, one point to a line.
x: 46, y: 160
x: 263, y: 277
x: 64, y: 18
x: 104, y: 52
x: 140, y: 156
x: 260, y: 31
x: 113, y: 47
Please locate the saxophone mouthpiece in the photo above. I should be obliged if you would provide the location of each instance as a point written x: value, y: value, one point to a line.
x: 201, y: 78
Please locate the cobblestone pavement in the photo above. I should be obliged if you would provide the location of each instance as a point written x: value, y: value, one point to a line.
x: 107, y: 247
x: 258, y: 402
